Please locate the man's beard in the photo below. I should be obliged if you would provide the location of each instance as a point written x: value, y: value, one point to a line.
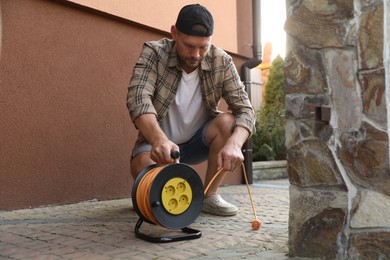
x: 190, y: 62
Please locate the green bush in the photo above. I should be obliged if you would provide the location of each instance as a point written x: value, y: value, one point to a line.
x: 269, y: 139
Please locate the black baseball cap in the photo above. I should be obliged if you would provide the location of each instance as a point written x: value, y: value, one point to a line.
x: 194, y: 14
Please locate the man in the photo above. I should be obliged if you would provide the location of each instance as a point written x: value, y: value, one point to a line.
x: 173, y: 100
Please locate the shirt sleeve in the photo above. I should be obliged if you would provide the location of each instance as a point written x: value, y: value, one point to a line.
x: 142, y: 84
x: 237, y: 98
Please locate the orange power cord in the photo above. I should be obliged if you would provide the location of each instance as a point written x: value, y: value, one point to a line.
x: 143, y: 194
x: 256, y: 224
x: 144, y: 186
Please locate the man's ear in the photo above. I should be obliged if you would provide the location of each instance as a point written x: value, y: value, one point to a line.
x: 173, y: 32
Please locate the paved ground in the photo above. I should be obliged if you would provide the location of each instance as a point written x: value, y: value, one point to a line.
x: 104, y: 230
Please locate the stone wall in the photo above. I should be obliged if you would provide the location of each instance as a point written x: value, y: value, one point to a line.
x: 337, y: 96
x: 269, y: 170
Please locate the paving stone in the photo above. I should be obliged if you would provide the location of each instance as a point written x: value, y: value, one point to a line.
x: 105, y: 230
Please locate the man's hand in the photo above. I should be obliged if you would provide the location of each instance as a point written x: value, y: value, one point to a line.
x: 230, y: 157
x: 162, y: 151
x: 161, y: 146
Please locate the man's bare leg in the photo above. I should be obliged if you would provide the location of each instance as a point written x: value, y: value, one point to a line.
x: 219, y: 130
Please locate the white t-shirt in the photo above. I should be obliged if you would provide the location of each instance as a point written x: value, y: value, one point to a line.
x: 187, y: 112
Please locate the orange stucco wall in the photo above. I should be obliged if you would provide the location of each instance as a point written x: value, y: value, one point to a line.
x: 161, y: 14
x: 65, y: 132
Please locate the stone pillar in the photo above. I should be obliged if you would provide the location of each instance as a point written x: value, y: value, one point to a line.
x: 337, y: 135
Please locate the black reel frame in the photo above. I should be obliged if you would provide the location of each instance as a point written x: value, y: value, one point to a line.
x: 189, y: 234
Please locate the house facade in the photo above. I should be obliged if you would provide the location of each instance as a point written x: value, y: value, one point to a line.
x: 66, y: 135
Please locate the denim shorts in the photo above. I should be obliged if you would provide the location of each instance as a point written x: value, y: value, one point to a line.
x: 195, y: 151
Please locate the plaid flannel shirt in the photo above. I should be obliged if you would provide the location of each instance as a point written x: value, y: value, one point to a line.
x: 157, y: 74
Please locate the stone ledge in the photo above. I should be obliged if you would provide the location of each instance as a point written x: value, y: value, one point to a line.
x: 269, y: 170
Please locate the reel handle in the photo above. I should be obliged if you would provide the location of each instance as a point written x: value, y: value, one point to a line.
x: 175, y: 154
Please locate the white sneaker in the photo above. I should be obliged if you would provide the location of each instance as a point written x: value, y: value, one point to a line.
x: 216, y: 205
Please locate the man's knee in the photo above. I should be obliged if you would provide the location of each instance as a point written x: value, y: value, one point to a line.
x: 220, y: 127
x: 140, y: 162
x: 225, y: 123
